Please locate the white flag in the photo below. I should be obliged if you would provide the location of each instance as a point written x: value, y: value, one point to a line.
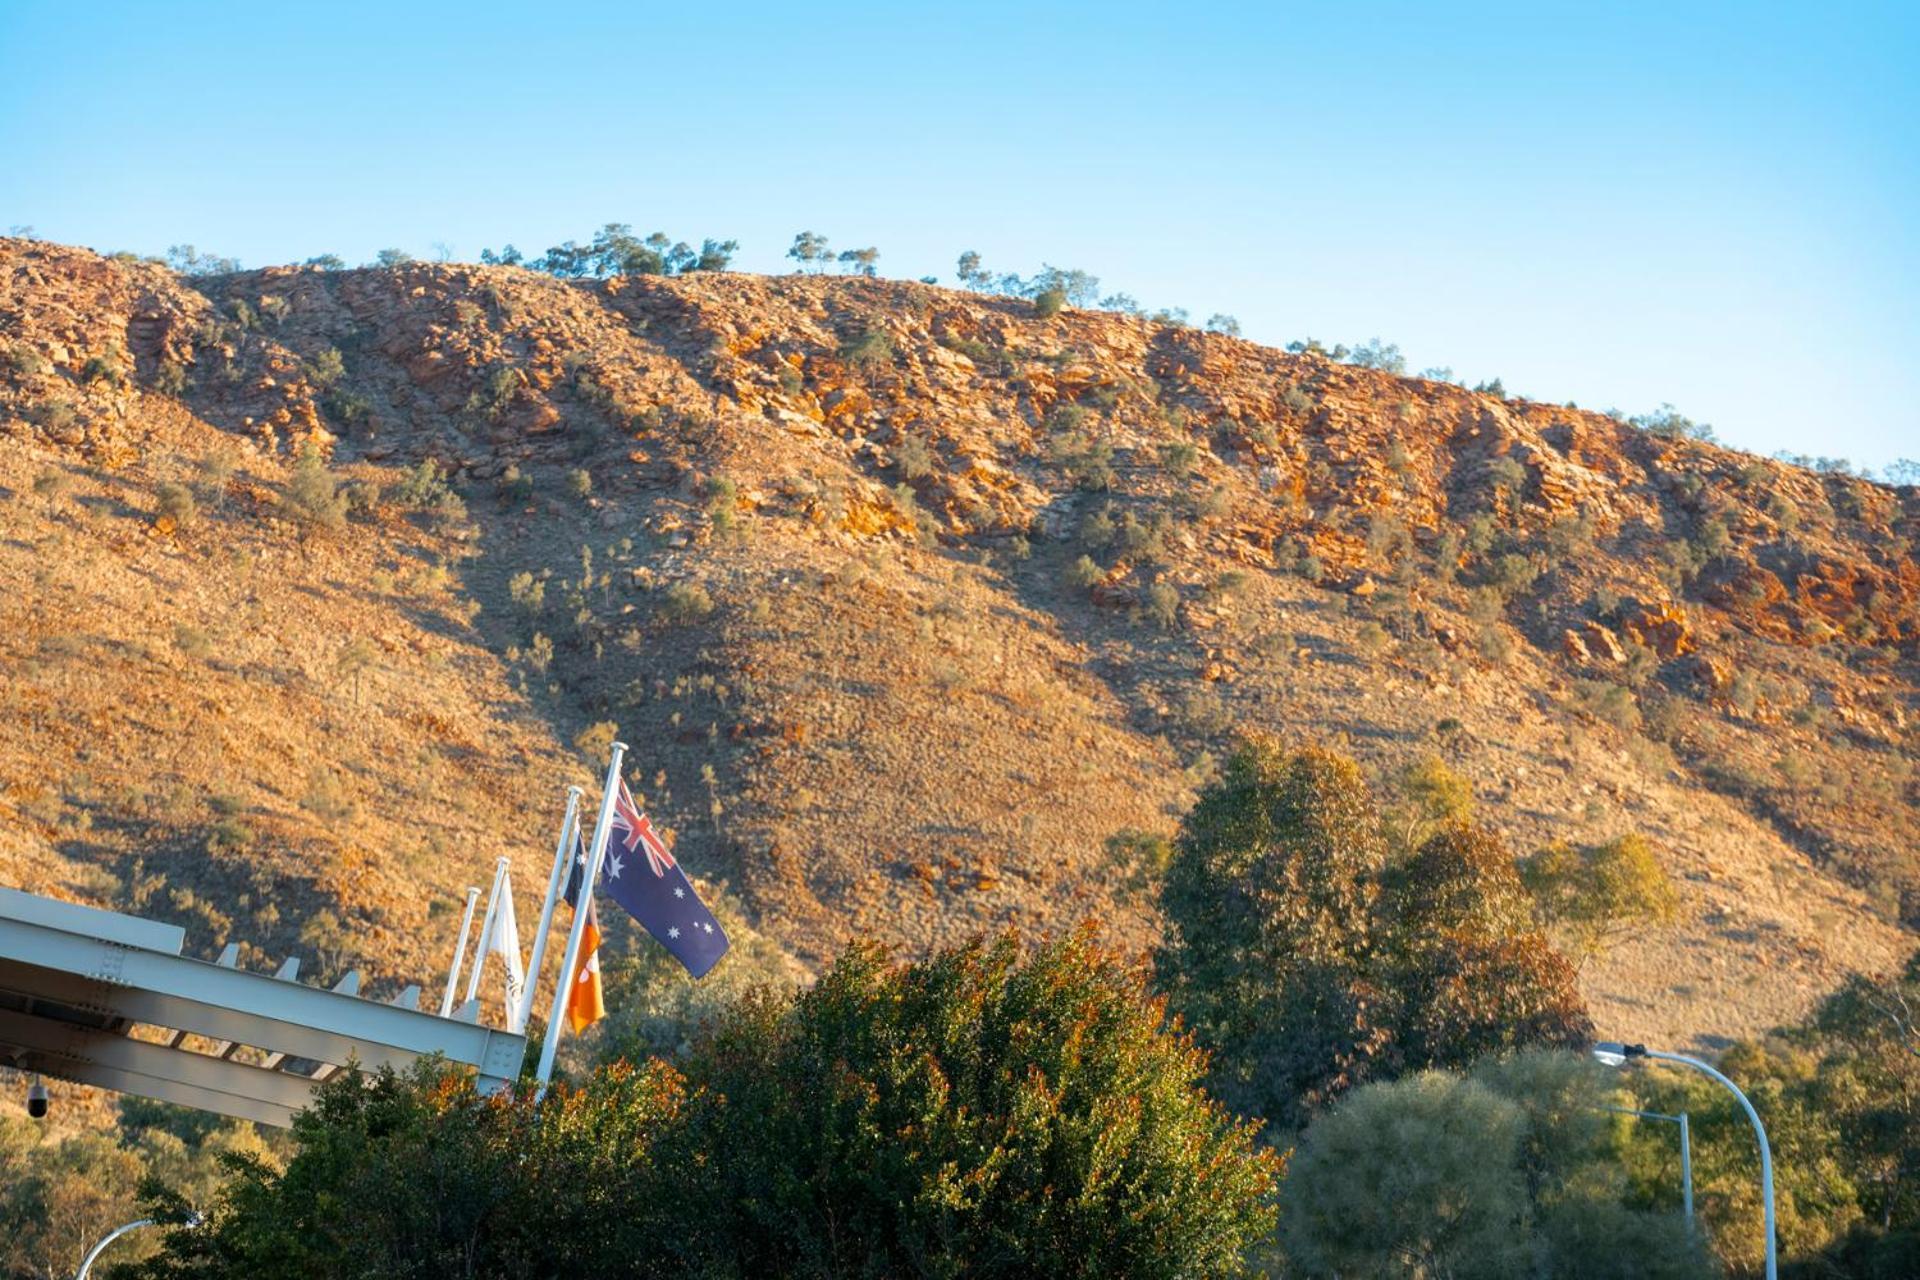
x: 504, y: 942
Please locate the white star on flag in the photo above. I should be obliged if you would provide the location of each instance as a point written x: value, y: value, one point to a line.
x: 613, y: 866
x: 673, y: 933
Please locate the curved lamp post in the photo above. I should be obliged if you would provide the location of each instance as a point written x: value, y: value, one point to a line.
x: 1618, y: 1055
x: 86, y: 1267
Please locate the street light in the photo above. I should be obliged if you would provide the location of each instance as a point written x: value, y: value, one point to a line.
x: 86, y: 1266
x: 1686, y: 1154
x: 1618, y: 1055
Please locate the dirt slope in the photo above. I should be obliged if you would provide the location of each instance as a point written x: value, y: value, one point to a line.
x: 815, y: 545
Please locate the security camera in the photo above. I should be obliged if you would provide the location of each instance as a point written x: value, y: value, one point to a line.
x: 37, y: 1100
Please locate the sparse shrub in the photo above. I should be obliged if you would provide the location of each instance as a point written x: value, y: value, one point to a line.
x: 1220, y: 322
x: 312, y: 498
x: 1083, y: 573
x: 1607, y: 702
x: 515, y: 485
x: 349, y: 408
x: 327, y: 796
x: 527, y: 591
x: 869, y: 352
x: 1202, y: 712
x: 1507, y: 473
x: 192, y: 642
x: 1669, y: 423
x: 175, y: 503
x: 685, y: 602
x: 1212, y: 504
x: 1162, y: 605
x: 424, y: 487
x: 56, y: 417
x: 1141, y: 857
x: 595, y: 742
x: 1510, y: 574
x: 1179, y: 458
x: 1097, y: 530
x: 1143, y: 540
x: 326, y: 368
x: 913, y: 458
x: 170, y: 378
x: 26, y: 362
x: 1049, y: 303
x: 1088, y: 462
x: 1372, y: 639
x: 580, y: 483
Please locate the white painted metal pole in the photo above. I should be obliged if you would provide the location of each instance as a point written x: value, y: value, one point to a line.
x: 86, y: 1266
x: 1686, y: 1170
x: 486, y: 928
x: 459, y: 951
x: 550, y: 1043
x: 1759, y: 1132
x: 562, y: 852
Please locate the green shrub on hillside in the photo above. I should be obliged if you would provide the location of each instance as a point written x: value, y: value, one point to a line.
x: 312, y: 498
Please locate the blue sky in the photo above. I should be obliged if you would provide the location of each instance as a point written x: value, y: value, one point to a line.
x: 1712, y: 205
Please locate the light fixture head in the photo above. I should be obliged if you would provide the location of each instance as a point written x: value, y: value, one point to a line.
x: 1614, y: 1054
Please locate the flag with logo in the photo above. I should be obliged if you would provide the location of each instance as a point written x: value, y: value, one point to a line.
x: 503, y: 940
x: 585, y: 1005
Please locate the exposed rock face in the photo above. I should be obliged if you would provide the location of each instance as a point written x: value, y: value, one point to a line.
x: 897, y: 684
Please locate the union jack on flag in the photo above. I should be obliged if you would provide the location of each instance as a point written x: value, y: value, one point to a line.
x: 634, y: 830
x: 664, y: 902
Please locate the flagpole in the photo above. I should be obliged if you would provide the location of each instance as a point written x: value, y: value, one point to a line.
x: 460, y: 951
x: 561, y: 988
x: 559, y: 877
x: 486, y: 928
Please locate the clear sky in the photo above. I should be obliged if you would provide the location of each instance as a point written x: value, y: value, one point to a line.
x: 1712, y: 205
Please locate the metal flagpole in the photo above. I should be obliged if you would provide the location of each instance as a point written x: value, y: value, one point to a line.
x: 561, y: 852
x: 486, y: 928
x: 460, y: 951
x: 551, y: 1041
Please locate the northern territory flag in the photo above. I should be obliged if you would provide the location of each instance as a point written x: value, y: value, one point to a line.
x: 585, y: 1005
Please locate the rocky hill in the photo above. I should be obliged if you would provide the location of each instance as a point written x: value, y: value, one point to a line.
x: 908, y: 601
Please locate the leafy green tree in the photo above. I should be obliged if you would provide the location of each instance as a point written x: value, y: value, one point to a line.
x: 975, y: 1114
x: 1309, y: 966
x: 861, y: 261
x: 809, y: 250
x: 1270, y: 907
x: 1431, y: 796
x: 970, y: 273
x: 1600, y: 894
x: 1471, y: 974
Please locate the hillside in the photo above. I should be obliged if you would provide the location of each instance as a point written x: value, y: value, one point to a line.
x: 815, y: 544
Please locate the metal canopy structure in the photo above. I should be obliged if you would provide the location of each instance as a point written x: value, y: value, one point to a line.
x: 106, y: 999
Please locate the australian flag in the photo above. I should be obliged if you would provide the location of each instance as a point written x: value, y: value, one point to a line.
x: 639, y: 873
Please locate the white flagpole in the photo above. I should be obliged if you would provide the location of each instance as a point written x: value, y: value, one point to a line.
x: 608, y: 793
x: 486, y: 928
x: 460, y: 951
x: 562, y: 853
